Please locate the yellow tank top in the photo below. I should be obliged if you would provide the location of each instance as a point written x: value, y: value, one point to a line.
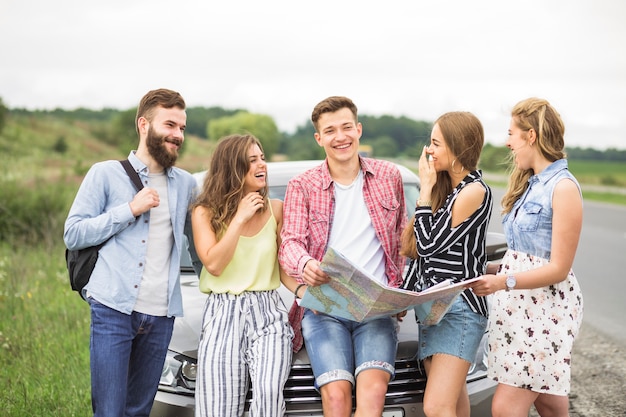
x: 254, y: 266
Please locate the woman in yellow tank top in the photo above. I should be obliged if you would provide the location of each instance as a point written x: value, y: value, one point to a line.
x: 245, y: 335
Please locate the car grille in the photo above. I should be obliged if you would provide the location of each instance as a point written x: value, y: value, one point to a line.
x: 407, y: 386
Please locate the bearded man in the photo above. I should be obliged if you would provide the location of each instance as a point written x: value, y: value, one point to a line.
x: 134, y: 290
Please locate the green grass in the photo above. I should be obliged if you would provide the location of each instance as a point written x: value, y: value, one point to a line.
x: 599, y: 172
x: 599, y: 196
x: 44, y: 336
x: 44, y: 326
x: 611, y: 198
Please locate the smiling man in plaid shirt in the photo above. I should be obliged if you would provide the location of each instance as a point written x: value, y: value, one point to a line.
x: 355, y: 205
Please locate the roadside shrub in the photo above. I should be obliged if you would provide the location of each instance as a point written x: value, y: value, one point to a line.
x: 60, y: 146
x: 610, y: 180
x: 33, y: 213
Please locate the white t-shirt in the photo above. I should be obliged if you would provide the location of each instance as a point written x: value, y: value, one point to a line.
x: 152, y: 298
x: 352, y: 232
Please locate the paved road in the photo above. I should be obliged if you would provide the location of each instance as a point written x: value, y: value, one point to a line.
x: 600, y: 266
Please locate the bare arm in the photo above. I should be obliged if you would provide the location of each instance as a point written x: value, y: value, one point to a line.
x: 288, y: 281
x: 469, y: 200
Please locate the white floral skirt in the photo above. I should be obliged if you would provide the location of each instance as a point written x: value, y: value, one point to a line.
x: 531, y: 332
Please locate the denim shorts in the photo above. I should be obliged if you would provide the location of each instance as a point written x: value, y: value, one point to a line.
x: 458, y: 333
x: 339, y: 349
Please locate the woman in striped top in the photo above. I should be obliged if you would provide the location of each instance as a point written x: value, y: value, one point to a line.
x: 447, y: 241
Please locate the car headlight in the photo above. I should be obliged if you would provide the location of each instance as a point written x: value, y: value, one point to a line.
x: 178, y: 374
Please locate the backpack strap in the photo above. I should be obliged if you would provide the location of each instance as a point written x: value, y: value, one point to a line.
x: 134, y: 177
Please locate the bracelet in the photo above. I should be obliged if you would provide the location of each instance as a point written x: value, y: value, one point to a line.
x: 424, y: 203
x: 297, y: 289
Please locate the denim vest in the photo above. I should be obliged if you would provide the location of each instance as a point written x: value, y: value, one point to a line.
x: 528, y: 226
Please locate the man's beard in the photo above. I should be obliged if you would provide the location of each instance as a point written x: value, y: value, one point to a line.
x: 158, y: 150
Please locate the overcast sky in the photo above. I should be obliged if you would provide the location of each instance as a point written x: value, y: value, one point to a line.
x: 411, y: 58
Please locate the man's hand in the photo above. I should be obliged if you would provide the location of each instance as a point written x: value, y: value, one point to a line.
x: 313, y: 274
x: 144, y: 200
x: 400, y: 315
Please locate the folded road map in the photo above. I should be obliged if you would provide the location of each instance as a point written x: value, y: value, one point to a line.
x: 355, y: 295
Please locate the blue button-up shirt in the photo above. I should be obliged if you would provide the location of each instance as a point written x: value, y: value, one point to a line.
x: 528, y: 226
x: 101, y: 211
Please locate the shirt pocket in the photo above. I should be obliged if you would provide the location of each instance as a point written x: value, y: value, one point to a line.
x: 529, y: 217
x: 318, y: 225
x: 390, y: 207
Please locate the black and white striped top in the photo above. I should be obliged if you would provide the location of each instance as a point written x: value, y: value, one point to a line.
x: 451, y: 253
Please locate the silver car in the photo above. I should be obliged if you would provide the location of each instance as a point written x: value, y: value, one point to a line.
x: 175, y: 397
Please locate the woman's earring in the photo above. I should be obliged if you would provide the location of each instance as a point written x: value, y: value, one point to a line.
x: 452, y: 167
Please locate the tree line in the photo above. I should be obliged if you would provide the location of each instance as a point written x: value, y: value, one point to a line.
x: 388, y: 136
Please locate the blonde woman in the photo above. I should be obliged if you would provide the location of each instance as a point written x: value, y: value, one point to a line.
x: 537, y: 303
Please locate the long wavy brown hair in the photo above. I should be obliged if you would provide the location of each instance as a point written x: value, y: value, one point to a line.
x: 222, y: 189
x: 537, y: 114
x: 464, y: 136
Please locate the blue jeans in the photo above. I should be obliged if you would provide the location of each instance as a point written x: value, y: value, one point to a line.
x: 339, y: 349
x: 127, y: 356
x: 458, y: 333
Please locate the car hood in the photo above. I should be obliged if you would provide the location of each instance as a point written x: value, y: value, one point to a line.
x: 187, y: 329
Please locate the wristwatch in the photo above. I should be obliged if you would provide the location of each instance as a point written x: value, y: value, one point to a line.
x: 510, y: 282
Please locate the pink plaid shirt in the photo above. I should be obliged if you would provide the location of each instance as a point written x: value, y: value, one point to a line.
x: 308, y: 216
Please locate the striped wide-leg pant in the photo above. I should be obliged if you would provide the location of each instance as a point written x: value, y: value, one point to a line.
x: 245, y: 339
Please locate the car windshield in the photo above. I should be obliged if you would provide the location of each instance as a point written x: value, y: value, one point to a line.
x: 411, y: 194
x: 278, y: 192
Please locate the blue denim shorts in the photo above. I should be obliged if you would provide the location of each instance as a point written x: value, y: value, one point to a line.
x: 339, y: 349
x: 458, y: 333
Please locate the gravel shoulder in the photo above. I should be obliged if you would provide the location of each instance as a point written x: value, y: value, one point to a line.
x: 598, y: 376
